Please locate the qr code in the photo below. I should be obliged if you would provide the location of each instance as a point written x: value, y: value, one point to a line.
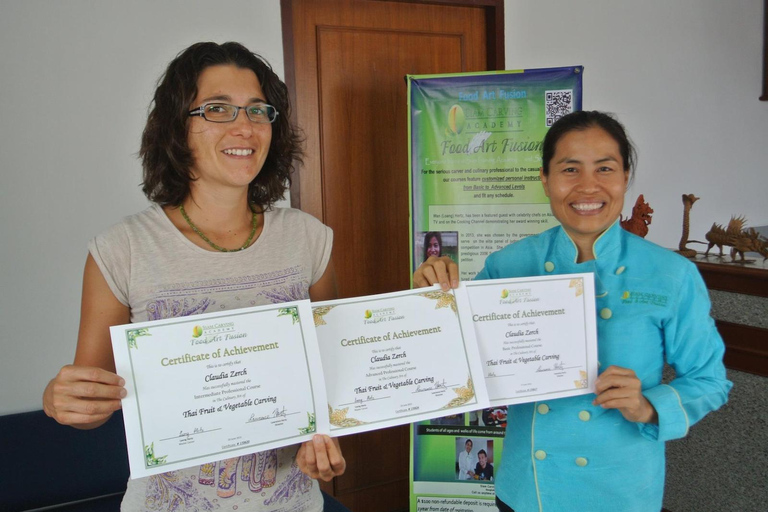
x: 557, y: 104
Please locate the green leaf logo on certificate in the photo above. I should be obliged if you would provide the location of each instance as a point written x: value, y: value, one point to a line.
x: 397, y: 358
x: 215, y: 386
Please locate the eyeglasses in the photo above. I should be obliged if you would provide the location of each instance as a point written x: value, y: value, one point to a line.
x: 226, y: 113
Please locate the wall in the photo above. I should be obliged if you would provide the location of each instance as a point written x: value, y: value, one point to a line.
x: 78, y: 76
x: 76, y: 81
x: 684, y: 77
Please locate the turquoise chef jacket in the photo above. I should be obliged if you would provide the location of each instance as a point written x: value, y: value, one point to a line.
x: 566, y: 455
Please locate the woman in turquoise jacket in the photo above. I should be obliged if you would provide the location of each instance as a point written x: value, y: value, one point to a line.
x: 605, y: 452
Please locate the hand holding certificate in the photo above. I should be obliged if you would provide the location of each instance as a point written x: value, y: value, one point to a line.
x: 216, y: 386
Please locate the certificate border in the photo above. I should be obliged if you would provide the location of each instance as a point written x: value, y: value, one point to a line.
x: 196, y: 318
x: 539, y: 279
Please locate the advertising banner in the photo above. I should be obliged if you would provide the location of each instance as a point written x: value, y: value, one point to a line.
x: 475, y: 155
x: 474, y: 161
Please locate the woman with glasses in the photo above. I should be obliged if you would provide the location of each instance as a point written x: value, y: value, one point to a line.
x: 217, y: 152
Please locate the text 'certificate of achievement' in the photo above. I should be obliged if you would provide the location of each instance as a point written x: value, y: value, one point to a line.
x: 210, y: 387
x: 397, y: 358
x: 537, y: 336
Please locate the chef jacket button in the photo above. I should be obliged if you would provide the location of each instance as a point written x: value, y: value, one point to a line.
x: 540, y: 454
x: 620, y: 270
x: 584, y: 415
x: 543, y: 408
x: 606, y: 313
x: 581, y: 462
x: 549, y: 266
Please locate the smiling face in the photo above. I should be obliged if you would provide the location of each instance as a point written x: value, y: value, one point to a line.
x: 433, y: 248
x: 468, y: 446
x: 227, y: 154
x: 482, y: 459
x: 586, y: 185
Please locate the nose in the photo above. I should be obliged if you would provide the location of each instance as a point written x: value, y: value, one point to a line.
x: 588, y: 181
x: 241, y: 125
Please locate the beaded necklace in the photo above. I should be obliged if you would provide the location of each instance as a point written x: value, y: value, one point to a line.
x: 254, y: 223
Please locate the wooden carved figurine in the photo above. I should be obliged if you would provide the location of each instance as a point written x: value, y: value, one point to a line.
x: 750, y: 241
x: 719, y: 236
x: 641, y: 218
x: 740, y: 240
x: 688, y: 200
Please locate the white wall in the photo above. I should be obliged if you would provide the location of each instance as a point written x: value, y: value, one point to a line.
x: 77, y: 77
x: 684, y: 77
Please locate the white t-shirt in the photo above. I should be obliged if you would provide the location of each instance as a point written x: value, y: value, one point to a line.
x: 158, y: 273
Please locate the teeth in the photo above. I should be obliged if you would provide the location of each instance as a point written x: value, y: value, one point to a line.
x: 585, y: 207
x: 238, y: 152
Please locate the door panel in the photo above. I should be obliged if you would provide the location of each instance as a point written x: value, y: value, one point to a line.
x: 345, y: 66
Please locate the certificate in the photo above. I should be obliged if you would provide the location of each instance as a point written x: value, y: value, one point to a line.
x: 398, y: 358
x: 217, y: 386
x: 536, y: 335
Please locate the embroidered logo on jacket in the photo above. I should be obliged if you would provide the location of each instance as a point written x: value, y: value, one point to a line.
x: 652, y: 299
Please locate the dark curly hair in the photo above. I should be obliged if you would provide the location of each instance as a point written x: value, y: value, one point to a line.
x: 164, y: 152
x: 582, y: 120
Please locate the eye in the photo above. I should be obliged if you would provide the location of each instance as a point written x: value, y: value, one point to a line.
x: 569, y: 170
x: 216, y: 108
x: 605, y: 169
x: 257, y: 110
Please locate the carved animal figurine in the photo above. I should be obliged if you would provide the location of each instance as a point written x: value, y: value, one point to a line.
x: 688, y: 200
x: 719, y: 236
x: 641, y: 218
x: 749, y: 241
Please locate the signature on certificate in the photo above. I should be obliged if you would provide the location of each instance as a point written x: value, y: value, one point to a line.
x: 440, y: 384
x: 279, y: 412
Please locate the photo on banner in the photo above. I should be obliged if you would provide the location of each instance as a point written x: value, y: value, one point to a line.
x: 474, y: 160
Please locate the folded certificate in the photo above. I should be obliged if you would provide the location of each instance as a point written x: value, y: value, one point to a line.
x: 216, y: 386
x: 537, y: 336
x: 398, y: 358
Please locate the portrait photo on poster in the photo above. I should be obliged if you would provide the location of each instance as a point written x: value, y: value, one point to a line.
x: 474, y: 459
x: 435, y: 243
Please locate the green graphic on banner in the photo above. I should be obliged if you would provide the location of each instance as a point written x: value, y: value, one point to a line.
x: 474, y: 160
x: 475, y: 150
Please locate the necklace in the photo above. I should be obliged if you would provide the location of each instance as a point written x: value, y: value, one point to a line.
x: 254, y: 224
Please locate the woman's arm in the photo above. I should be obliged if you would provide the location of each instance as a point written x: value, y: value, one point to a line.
x: 86, y: 393
x: 325, y: 288
x: 694, y: 348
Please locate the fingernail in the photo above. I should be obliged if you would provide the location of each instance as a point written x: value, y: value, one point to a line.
x: 121, y: 382
x: 123, y: 393
x: 455, y: 283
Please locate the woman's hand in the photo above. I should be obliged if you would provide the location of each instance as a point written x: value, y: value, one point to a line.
x: 83, y: 397
x: 619, y: 388
x: 441, y: 270
x: 321, y: 458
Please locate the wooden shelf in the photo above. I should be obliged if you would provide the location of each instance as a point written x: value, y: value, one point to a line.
x: 730, y: 277
x: 746, y: 347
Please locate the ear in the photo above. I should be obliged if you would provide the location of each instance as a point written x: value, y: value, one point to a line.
x: 543, y: 178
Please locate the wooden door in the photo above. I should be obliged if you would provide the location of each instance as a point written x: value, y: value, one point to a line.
x: 345, y: 66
